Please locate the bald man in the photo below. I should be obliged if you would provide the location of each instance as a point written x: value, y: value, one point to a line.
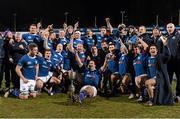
x: 173, y: 65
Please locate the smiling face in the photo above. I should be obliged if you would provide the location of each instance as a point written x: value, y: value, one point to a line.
x: 33, y: 52
x: 52, y: 36
x: 77, y: 35
x: 9, y: 34
x: 111, y: 48
x: 80, y: 47
x: 153, y: 50
x: 18, y: 37
x: 59, y: 48
x: 48, y: 54
x: 70, y: 29
x: 92, y: 65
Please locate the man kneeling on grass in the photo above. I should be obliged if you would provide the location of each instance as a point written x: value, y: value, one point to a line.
x: 46, y: 74
x: 158, y: 84
x: 86, y: 91
x: 27, y: 70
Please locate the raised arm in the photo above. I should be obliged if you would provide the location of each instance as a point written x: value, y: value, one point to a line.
x: 166, y: 54
x: 76, y: 25
x: 143, y: 43
x: 103, y: 68
x: 45, y: 35
x: 109, y: 26
x: 80, y: 64
x: 39, y: 27
x: 122, y: 45
x: 65, y: 27
x: 71, y: 48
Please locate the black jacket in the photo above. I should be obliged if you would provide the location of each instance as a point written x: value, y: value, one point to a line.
x: 15, y: 52
x: 146, y: 38
x: 163, y: 92
x: 2, y: 51
x: 174, y: 45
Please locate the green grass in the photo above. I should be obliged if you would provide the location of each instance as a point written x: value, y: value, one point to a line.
x: 59, y: 106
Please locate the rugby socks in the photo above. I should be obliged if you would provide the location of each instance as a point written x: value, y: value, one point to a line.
x: 82, y: 95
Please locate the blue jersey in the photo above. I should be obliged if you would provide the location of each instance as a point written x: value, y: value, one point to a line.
x: 88, y: 43
x: 139, y: 64
x: 91, y: 77
x: 31, y: 38
x: 123, y: 65
x: 57, y: 59
x: 82, y: 57
x: 117, y: 43
x: 67, y: 60
x: 97, y: 60
x: 151, y: 67
x: 103, y: 38
x: 133, y: 39
x: 112, y: 64
x: 99, y: 40
x: 50, y: 44
x: 76, y: 42
x: 63, y: 41
x: 28, y: 64
x: 44, y: 66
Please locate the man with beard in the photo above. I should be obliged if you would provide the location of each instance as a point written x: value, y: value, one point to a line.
x: 27, y: 70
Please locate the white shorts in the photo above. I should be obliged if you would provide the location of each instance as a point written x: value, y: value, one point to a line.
x: 46, y: 78
x: 26, y: 87
x: 94, y: 89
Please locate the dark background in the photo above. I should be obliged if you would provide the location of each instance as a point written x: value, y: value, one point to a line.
x: 137, y: 12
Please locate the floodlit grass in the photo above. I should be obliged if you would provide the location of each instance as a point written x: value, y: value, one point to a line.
x: 59, y: 106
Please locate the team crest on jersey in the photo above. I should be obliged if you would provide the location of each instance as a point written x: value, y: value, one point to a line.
x: 122, y: 58
x: 83, y: 56
x: 138, y: 62
x: 29, y: 37
x: 99, y: 38
x: 120, y: 62
x: 74, y: 43
x: 29, y: 63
